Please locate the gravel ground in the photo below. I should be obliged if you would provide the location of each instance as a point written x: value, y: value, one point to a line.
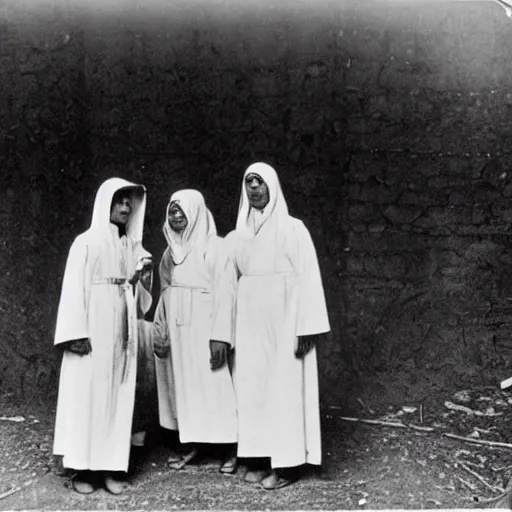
x: 365, y: 466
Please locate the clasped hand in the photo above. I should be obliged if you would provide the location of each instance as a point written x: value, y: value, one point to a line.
x: 161, y: 349
x: 81, y: 346
x: 144, y: 266
x: 305, y: 345
x: 219, y: 351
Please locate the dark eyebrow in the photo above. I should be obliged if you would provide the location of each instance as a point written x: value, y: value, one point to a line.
x: 253, y: 175
x: 121, y: 194
x: 175, y: 205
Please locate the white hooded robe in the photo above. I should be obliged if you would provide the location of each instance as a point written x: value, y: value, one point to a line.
x: 96, y: 391
x: 198, y: 284
x: 280, y: 297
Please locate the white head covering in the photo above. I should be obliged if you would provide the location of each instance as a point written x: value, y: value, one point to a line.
x: 250, y: 220
x: 200, y: 224
x: 100, y: 223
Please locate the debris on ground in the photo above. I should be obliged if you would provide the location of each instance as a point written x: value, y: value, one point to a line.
x: 15, y: 419
x: 481, y: 418
x: 376, y: 456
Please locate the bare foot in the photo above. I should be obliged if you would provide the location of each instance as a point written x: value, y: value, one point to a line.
x: 115, y: 485
x: 255, y: 476
x: 230, y: 465
x: 277, y: 480
x: 82, y: 483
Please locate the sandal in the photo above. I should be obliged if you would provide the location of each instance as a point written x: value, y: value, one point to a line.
x: 255, y: 476
x: 183, y: 461
x: 173, y: 458
x: 274, y: 481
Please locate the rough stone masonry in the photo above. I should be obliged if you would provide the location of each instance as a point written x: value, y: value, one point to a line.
x: 389, y: 126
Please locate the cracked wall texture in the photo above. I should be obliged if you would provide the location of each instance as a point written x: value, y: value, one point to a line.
x: 388, y: 126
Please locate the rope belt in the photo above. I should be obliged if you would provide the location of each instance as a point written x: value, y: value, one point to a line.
x: 110, y: 280
x: 125, y: 291
x: 269, y: 274
x: 184, y: 304
x: 189, y: 287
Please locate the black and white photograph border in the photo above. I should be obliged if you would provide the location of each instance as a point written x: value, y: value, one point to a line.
x: 387, y: 123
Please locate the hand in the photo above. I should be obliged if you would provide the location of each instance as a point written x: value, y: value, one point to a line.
x: 144, y: 265
x: 135, y: 278
x: 142, y: 271
x: 161, y: 350
x: 81, y: 347
x: 219, y: 354
x: 305, y: 345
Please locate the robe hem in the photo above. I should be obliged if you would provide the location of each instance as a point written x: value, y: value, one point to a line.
x: 307, y: 332
x: 277, y: 462
x: 93, y: 467
x: 79, y: 336
x: 207, y: 440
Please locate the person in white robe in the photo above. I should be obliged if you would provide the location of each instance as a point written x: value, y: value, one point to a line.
x: 193, y: 333
x: 107, y: 278
x: 280, y: 312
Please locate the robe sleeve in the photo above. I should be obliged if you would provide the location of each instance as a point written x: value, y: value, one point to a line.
x: 312, y: 315
x: 164, y: 270
x: 145, y: 298
x: 230, y: 246
x: 73, y: 305
x: 224, y: 281
x: 160, y: 327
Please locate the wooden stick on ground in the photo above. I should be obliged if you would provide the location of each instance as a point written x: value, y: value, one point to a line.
x: 492, y: 500
x: 397, y: 424
x: 422, y: 429
x: 15, y: 490
x: 365, y: 407
x: 21, y: 487
x: 467, y: 484
x: 8, y: 493
x: 16, y: 419
x: 504, y: 468
x: 478, y: 441
x: 479, y: 478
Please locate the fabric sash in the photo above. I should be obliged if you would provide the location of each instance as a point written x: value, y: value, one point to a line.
x: 184, y: 313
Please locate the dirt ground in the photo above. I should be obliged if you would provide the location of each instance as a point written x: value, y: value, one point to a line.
x: 366, y: 466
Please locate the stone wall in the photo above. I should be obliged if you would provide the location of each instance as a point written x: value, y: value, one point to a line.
x: 389, y: 128
x: 42, y: 146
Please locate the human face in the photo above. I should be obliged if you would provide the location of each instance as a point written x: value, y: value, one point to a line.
x: 257, y: 191
x: 177, y: 219
x: 121, y: 209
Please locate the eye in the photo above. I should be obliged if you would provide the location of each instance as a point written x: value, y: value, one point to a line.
x: 253, y: 177
x: 174, y: 211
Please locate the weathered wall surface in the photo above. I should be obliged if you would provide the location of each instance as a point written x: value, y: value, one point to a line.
x: 42, y: 144
x: 389, y: 127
